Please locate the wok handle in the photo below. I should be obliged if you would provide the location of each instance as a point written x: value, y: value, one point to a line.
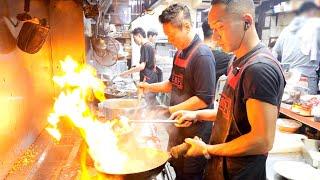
x: 179, y: 150
x: 27, y: 5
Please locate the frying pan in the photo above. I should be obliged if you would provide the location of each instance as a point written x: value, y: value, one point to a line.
x: 147, y: 164
x: 133, y: 173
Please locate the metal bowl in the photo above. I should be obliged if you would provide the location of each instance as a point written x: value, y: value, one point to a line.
x: 114, y: 108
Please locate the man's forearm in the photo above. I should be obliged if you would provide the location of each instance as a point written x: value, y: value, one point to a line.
x: 207, y: 114
x: 164, y: 87
x: 192, y: 104
x: 248, y: 144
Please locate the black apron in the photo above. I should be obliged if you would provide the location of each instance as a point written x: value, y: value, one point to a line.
x: 181, y: 91
x: 225, y: 126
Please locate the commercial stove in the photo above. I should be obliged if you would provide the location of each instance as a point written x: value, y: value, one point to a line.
x: 48, y: 159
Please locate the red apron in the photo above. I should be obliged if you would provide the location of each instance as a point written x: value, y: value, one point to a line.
x: 181, y: 91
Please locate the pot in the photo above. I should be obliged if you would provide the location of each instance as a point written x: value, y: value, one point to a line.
x: 31, y: 37
x: 114, y: 108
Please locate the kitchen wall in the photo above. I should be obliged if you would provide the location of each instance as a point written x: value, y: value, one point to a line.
x: 275, y: 23
x: 26, y: 88
x: 284, y: 14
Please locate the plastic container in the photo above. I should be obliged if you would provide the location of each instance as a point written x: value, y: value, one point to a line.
x: 288, y: 125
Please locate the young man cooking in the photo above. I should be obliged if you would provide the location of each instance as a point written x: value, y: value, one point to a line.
x: 146, y: 66
x: 244, y: 122
x: 192, y: 85
x: 147, y: 58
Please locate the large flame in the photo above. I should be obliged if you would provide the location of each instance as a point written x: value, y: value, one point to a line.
x: 78, y: 82
x: 107, y: 142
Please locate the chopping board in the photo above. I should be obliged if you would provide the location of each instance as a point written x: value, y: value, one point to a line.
x: 287, y: 143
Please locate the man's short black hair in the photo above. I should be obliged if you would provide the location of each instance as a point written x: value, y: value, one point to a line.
x: 213, y: 2
x: 175, y: 14
x: 307, y: 6
x: 207, y: 32
x: 152, y: 32
x: 140, y: 31
x: 237, y: 6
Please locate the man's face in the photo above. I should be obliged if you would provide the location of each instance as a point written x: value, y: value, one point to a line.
x: 153, y: 38
x: 176, y: 36
x: 227, y: 28
x: 137, y: 39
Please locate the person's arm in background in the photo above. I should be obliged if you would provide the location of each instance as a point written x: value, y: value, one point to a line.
x: 137, y: 68
x: 144, y: 55
x: 164, y: 86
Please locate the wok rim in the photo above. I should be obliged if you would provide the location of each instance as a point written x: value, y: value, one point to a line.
x: 137, y: 172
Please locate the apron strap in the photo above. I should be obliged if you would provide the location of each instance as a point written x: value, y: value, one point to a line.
x: 183, y: 63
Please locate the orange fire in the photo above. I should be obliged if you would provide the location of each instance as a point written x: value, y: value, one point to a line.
x: 107, y: 142
x: 77, y: 84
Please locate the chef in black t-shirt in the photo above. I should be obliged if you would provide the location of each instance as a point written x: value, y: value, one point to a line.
x: 191, y: 84
x: 245, y: 121
x: 146, y: 66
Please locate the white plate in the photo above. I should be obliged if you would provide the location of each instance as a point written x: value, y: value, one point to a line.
x: 296, y: 170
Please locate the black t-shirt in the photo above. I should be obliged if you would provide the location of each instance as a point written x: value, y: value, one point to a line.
x: 262, y: 81
x: 201, y: 71
x: 147, y: 55
x: 222, y: 62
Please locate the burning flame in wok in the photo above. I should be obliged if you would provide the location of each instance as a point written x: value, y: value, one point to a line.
x: 107, y: 140
x: 77, y: 84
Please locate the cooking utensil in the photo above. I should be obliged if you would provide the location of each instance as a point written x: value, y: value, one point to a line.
x: 153, y: 121
x: 113, y: 108
x: 179, y: 150
x: 25, y: 16
x: 32, y: 36
x: 139, y: 92
x: 146, y: 159
x: 158, y: 163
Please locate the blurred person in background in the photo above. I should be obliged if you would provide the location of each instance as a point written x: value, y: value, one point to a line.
x: 152, y: 35
x: 298, y: 45
x: 222, y: 58
x: 146, y: 66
